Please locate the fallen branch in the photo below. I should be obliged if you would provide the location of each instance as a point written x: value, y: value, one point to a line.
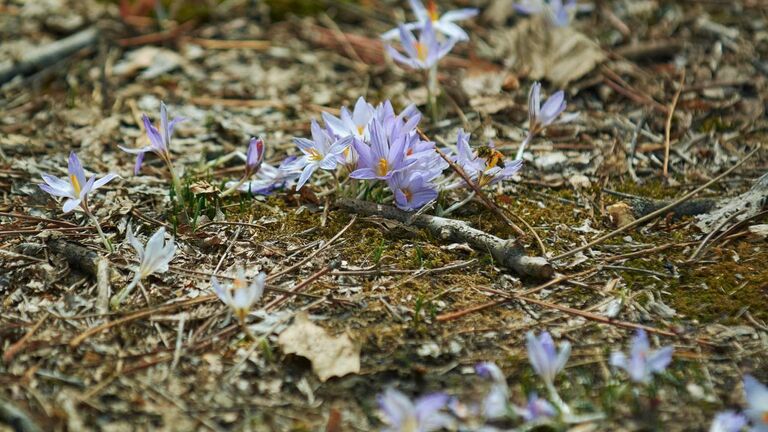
x: 47, y: 55
x: 507, y: 252
x: 746, y: 205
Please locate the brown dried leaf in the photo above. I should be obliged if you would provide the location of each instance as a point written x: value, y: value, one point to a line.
x: 330, y: 355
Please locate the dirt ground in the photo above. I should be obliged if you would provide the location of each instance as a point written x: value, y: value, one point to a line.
x: 423, y: 311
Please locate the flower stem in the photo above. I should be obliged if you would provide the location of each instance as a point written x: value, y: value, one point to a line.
x: 176, y: 183
x: 557, y: 400
x: 525, y: 142
x: 119, y: 297
x: 431, y: 80
x: 458, y: 205
x: 233, y: 188
x: 101, y: 233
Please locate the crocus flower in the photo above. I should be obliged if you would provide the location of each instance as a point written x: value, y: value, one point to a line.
x: 268, y: 178
x: 351, y: 124
x: 757, y: 403
x: 254, y: 156
x: 241, y: 295
x: 253, y: 160
x: 496, y: 402
x: 536, y: 409
x: 404, y: 415
x: 153, y: 259
x: 159, y: 140
x: 728, y: 421
x: 412, y: 191
x: 557, y: 12
x: 383, y: 157
x: 642, y: 362
x: 444, y: 24
x: 76, y: 188
x: 542, y: 116
x: 320, y: 152
x: 478, y: 168
x: 423, y: 53
x: 545, y: 359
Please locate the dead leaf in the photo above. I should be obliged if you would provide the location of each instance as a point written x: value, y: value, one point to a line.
x: 330, y: 355
x: 557, y: 54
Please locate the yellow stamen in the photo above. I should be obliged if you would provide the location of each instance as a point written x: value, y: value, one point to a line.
x: 315, y: 155
x: 421, y: 51
x: 75, y: 184
x: 360, y: 129
x: 383, y: 167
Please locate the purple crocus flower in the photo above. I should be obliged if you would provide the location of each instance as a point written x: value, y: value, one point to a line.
x: 423, y: 53
x: 423, y: 415
x: 444, y: 24
x: 496, y: 402
x: 757, y: 403
x: 351, y: 124
x: 642, y: 362
x: 76, y: 188
x: 545, y: 359
x: 557, y: 12
x: 536, y: 409
x: 320, y: 152
x: 412, y: 191
x: 159, y: 140
x: 728, y: 421
x: 477, y: 168
x: 384, y: 157
x: 542, y: 116
x: 254, y: 157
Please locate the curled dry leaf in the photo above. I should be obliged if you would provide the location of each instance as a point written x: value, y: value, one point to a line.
x: 330, y: 355
x: 557, y: 54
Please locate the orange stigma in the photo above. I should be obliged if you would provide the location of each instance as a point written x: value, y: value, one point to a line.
x: 432, y: 10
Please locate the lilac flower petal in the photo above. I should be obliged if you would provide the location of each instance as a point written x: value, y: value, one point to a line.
x: 363, y: 174
x: 104, y: 180
x: 137, y: 165
x: 728, y: 421
x: 75, y: 169
x: 70, y: 204
x: 553, y: 107
x: 156, y: 141
x: 305, y: 175
x: 659, y: 360
x: 419, y: 10
x: 460, y: 14
x: 451, y: 30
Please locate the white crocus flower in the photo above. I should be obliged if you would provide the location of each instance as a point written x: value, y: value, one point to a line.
x: 153, y: 259
x: 241, y: 295
x: 757, y: 401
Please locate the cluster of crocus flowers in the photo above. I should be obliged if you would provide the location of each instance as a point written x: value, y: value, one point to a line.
x: 425, y: 414
x: 159, y: 144
x: 240, y: 295
x: 642, y: 362
x: 254, y: 158
x: 376, y: 144
x: 75, y: 188
x: 437, y: 36
x: 496, y: 405
x: 153, y: 258
x: 557, y: 13
x: 541, y: 116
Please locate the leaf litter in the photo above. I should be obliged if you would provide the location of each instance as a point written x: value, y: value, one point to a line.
x: 421, y: 313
